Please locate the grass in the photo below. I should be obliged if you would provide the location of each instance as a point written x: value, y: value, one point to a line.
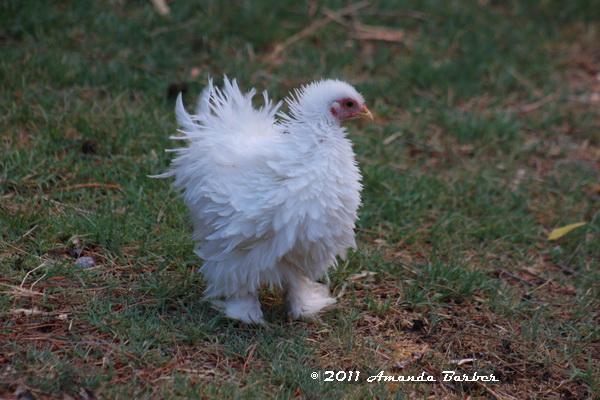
x: 486, y: 138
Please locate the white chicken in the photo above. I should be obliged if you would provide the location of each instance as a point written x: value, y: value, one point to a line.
x: 273, y: 196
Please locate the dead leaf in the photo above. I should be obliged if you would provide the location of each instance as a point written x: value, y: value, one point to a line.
x: 407, y: 352
x: 161, y: 7
x: 562, y: 231
x: 381, y: 33
x: 462, y: 361
x: 362, y: 275
x: 391, y: 138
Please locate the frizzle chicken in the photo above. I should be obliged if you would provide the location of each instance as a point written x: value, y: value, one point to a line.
x: 273, y: 196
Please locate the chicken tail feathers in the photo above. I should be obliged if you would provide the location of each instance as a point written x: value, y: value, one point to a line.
x: 225, y: 122
x: 203, y: 103
x: 226, y: 111
x: 184, y: 120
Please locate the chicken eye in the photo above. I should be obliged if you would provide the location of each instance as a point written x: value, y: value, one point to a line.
x: 349, y: 104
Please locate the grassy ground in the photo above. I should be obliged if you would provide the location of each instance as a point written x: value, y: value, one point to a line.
x: 487, y: 137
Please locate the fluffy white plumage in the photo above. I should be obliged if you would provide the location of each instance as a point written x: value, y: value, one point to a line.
x: 273, y: 197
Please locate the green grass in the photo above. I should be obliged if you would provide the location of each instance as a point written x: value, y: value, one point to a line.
x: 487, y: 136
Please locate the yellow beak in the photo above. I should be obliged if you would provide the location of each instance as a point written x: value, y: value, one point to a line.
x: 365, y: 113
